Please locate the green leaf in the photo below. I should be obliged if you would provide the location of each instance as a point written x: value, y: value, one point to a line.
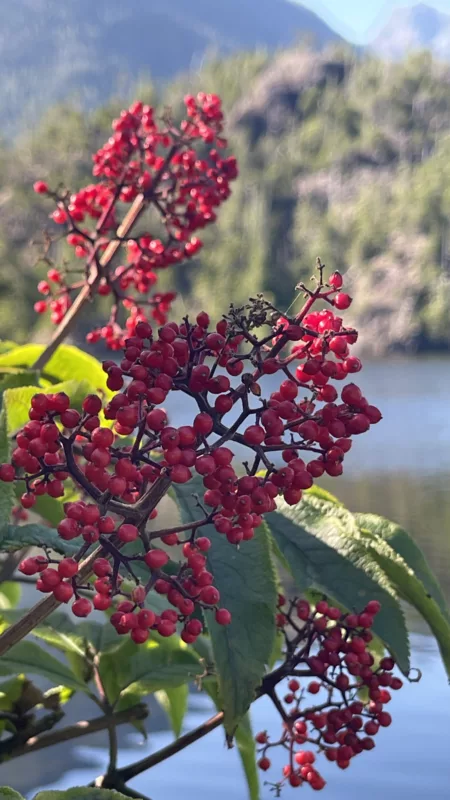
x: 322, y: 494
x: 174, y: 702
x: 68, y: 363
x: 17, y: 402
x: 51, y: 509
x: 9, y: 794
x: 147, y: 668
x: 246, y: 581
x: 7, y: 492
x: 78, y: 793
x: 10, y: 594
x: 405, y: 546
x: 11, y: 377
x: 6, y: 345
x: 128, y: 699
x: 244, y: 739
x: 60, y: 694
x: 15, y: 537
x: 323, y: 548
x: 247, y: 750
x: 30, y: 658
x: 411, y: 589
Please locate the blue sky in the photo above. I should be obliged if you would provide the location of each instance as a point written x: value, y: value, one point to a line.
x: 358, y: 19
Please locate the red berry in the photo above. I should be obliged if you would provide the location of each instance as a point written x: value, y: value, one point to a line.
x: 7, y: 473
x: 82, y: 607
x: 223, y: 616
x: 342, y: 301
x: 63, y: 592
x: 156, y: 559
x: 68, y: 567
x: 128, y: 533
x: 40, y: 187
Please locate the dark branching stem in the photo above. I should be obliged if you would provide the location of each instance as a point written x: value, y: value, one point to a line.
x: 16, y: 747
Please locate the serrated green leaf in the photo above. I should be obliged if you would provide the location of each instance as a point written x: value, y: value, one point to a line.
x: 174, y: 702
x: 78, y: 793
x: 405, y: 546
x: 322, y: 494
x: 323, y: 548
x: 10, y: 594
x: 15, y: 537
x: 28, y: 657
x: 411, y: 589
x: 246, y: 581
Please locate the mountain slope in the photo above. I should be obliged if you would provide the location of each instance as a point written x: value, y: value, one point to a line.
x: 415, y: 28
x: 49, y: 49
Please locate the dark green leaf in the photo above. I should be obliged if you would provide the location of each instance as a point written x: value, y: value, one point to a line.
x: 323, y: 548
x: 15, y: 537
x: 246, y: 581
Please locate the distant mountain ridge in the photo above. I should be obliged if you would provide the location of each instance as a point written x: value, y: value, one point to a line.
x: 51, y: 49
x: 415, y: 28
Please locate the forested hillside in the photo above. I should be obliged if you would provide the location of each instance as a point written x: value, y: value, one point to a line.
x: 345, y: 159
x: 51, y: 50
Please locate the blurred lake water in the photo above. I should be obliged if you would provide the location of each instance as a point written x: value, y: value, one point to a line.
x: 400, y: 469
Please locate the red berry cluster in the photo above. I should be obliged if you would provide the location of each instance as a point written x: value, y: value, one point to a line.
x: 223, y: 369
x: 334, y: 649
x: 179, y: 172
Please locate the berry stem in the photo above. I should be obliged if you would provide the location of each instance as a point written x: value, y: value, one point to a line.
x: 95, y: 276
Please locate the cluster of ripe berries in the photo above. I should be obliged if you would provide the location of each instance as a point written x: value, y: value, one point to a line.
x: 223, y: 370
x: 180, y: 172
x: 334, y: 650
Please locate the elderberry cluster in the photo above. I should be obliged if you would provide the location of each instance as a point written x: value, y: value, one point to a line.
x: 291, y: 437
x: 333, y: 649
x: 177, y: 171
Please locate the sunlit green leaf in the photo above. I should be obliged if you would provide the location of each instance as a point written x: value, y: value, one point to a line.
x: 174, y: 702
